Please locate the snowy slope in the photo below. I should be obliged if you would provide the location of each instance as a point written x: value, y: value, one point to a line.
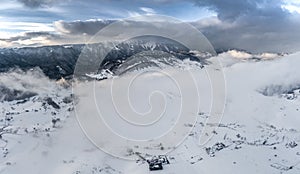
x: 259, y: 132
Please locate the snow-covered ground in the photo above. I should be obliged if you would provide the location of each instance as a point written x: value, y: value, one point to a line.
x: 259, y: 132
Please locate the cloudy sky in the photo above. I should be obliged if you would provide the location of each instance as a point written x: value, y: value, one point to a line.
x: 252, y: 25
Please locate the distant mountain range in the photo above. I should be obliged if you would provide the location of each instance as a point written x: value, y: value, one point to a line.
x: 60, y: 61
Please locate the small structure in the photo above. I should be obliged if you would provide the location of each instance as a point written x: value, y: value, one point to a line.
x: 156, y: 163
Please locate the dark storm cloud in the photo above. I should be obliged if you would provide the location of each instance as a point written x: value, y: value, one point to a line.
x: 253, y: 25
x: 38, y: 3
x: 253, y: 37
x: 233, y: 9
x: 89, y: 27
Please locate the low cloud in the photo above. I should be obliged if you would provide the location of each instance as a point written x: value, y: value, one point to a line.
x: 30, y: 35
x: 31, y: 39
x: 242, y: 55
x: 29, y: 83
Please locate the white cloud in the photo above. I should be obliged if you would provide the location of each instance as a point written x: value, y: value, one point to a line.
x: 133, y: 13
x: 59, y: 26
x: 213, y: 21
x: 41, y: 40
x: 239, y: 54
x: 148, y: 10
x: 8, y: 5
x: 26, y: 26
x: 143, y: 11
x: 232, y: 57
x: 292, y: 8
x: 5, y: 35
x: 268, y: 56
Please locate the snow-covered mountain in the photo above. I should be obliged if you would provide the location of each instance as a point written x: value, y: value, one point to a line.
x: 60, y: 61
x: 259, y: 132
